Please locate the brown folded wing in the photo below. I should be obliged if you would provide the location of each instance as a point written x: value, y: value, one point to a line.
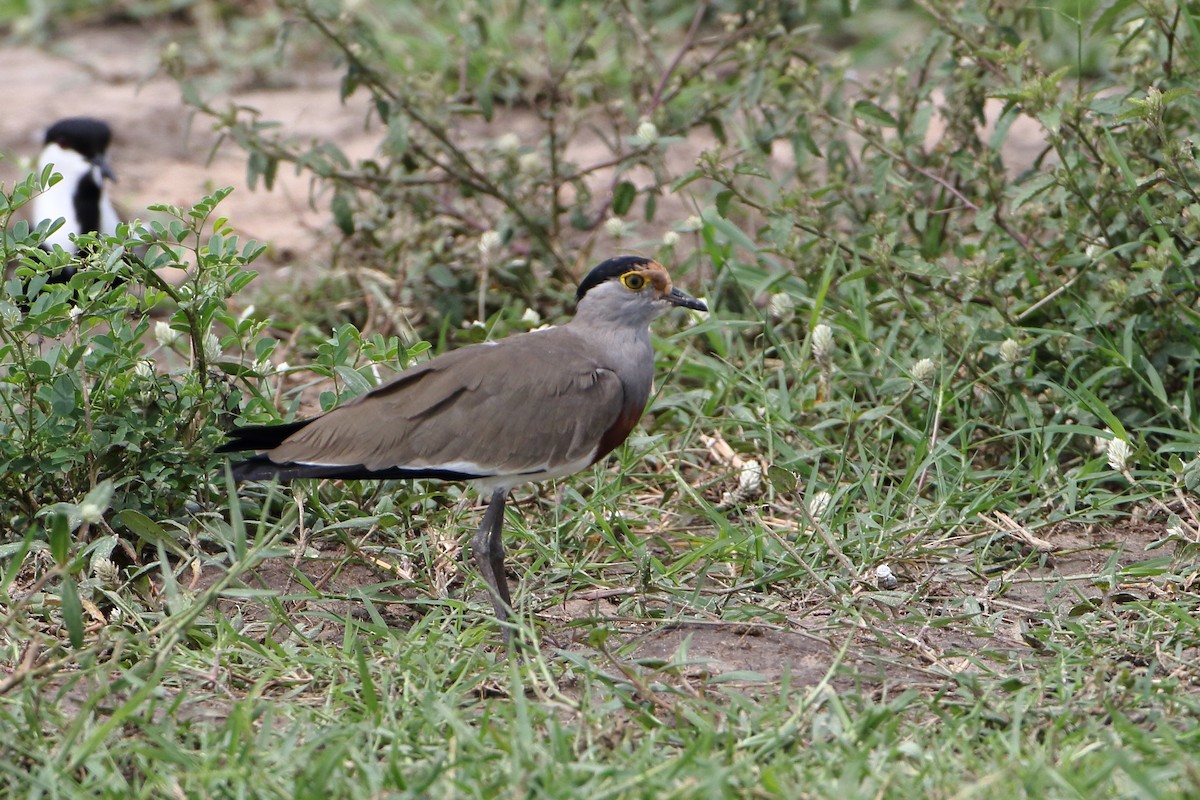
x: 528, y: 404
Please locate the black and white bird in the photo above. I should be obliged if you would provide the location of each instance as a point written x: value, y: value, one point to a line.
x: 532, y: 407
x: 77, y: 147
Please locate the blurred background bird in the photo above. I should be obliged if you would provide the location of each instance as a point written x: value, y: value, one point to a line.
x: 77, y: 147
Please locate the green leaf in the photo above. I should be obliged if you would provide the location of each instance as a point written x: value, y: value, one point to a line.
x: 64, y: 398
x: 871, y: 112
x: 650, y: 207
x: 730, y: 231
x: 1104, y: 23
x: 723, y: 200
x: 72, y: 611
x: 623, y: 197
x: 343, y: 212
x: 1031, y: 188
x: 142, y: 525
x: 781, y: 480
x: 370, y: 695
x: 99, y: 498
x: 355, y: 382
x: 60, y: 538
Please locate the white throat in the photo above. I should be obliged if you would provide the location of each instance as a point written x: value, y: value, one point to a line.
x: 59, y: 200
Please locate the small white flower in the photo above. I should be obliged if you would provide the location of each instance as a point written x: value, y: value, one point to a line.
x: 692, y: 223
x: 615, y: 227
x: 530, y: 163
x: 782, y: 307
x: 924, y: 370
x: 1010, y: 351
x: 75, y: 313
x: 282, y: 367
x: 106, y: 571
x: 750, y: 479
x: 144, y: 369
x: 1119, y: 453
x: 508, y: 144
x: 90, y: 512
x: 885, y: 578
x: 822, y: 344
x: 165, y: 335
x: 10, y: 315
x: 212, y: 346
x: 646, y: 135
x: 489, y: 241
x: 531, y: 317
x: 670, y: 239
x: 818, y: 504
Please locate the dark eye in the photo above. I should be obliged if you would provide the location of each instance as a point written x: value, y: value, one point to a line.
x: 633, y: 281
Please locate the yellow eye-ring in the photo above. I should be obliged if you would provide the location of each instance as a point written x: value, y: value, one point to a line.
x: 634, y: 281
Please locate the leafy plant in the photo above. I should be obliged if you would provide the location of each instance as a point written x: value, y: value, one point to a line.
x: 455, y: 201
x: 92, y: 383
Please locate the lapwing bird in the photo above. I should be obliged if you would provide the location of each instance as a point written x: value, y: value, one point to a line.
x: 532, y: 407
x: 77, y: 147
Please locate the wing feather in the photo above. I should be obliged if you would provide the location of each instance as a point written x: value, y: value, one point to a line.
x: 524, y: 405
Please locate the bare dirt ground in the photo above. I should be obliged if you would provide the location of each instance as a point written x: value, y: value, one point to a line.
x: 161, y: 155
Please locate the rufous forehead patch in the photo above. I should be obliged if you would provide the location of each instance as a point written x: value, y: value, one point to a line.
x: 657, y: 275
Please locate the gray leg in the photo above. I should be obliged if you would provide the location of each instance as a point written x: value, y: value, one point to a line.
x: 488, y: 549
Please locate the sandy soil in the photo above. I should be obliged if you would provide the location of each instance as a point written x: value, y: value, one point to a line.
x: 160, y: 152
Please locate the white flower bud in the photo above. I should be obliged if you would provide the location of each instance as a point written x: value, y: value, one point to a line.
x: 508, y: 144
x: 282, y: 367
x: 615, y: 227
x: 144, y: 369
x: 106, y: 571
x: 924, y: 370
x: 646, y: 135
x: 90, y: 512
x: 819, y: 503
x: 1119, y: 453
x: 212, y: 346
x: 823, y: 344
x: 885, y: 578
x: 670, y: 239
x: 530, y: 163
x: 10, y: 315
x: 531, y: 317
x: 750, y: 479
x: 1010, y: 351
x: 782, y: 307
x: 692, y: 223
x: 164, y: 334
x: 489, y: 241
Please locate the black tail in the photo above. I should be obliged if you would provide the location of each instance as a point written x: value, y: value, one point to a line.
x: 260, y: 437
x: 267, y: 437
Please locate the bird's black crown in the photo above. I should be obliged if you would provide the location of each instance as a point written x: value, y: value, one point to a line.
x: 607, y: 270
x: 87, y: 136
